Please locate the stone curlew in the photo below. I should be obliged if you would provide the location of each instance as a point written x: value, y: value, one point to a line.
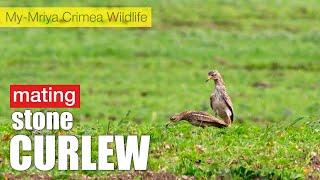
x: 199, y: 118
x: 220, y: 102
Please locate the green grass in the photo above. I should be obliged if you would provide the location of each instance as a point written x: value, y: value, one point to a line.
x: 267, y: 52
x: 243, y: 150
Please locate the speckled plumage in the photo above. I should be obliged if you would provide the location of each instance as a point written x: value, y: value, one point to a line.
x: 219, y: 100
x: 199, y: 118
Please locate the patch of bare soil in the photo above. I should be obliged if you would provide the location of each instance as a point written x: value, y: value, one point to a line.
x: 262, y: 84
x: 147, y: 175
x: 10, y: 176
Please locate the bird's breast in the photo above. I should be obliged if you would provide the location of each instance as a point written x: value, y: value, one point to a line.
x: 217, y: 101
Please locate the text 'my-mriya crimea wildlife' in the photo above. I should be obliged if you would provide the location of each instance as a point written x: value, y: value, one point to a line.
x: 220, y: 103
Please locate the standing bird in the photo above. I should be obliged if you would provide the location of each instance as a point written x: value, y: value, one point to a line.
x: 220, y: 102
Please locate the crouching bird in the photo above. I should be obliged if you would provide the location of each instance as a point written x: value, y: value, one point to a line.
x: 199, y: 118
x: 220, y: 102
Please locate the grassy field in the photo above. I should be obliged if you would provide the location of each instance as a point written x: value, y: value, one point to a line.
x: 134, y: 79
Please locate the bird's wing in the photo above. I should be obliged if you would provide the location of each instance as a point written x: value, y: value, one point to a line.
x: 211, y: 100
x: 202, y: 113
x: 228, y: 102
x: 204, y: 117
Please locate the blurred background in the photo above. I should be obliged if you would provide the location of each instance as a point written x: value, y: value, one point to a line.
x: 267, y: 51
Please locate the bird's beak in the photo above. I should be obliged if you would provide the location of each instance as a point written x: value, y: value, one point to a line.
x: 209, y: 77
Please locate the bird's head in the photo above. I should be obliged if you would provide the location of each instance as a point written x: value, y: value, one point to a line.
x: 214, y: 75
x: 176, y: 117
